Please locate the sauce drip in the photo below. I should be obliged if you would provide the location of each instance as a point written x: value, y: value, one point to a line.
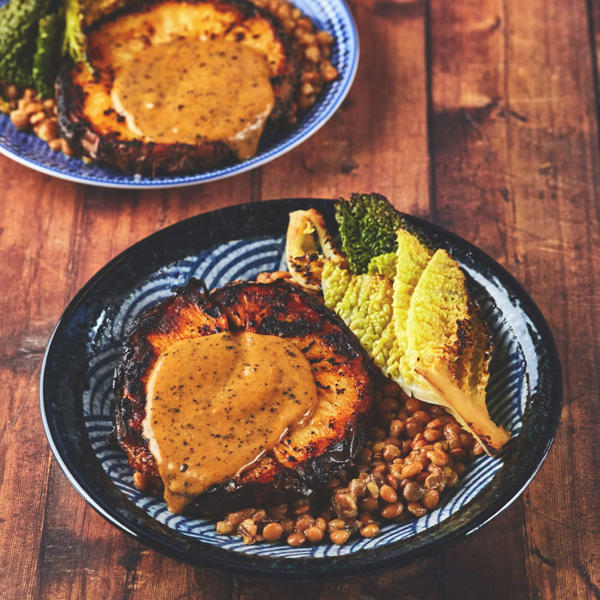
x: 215, y: 404
x: 189, y: 91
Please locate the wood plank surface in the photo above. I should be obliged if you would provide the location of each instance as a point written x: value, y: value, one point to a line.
x: 378, y: 140
x: 480, y: 115
x: 522, y: 154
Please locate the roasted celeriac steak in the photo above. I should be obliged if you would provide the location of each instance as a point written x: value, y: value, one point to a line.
x: 302, y: 460
x: 87, y: 115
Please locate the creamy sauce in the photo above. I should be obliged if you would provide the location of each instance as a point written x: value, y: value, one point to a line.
x: 189, y: 91
x: 215, y: 404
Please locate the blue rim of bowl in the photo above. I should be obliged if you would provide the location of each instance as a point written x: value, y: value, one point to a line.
x: 70, y: 446
x: 281, y: 147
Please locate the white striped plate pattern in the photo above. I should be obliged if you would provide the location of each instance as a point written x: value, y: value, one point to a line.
x: 244, y: 259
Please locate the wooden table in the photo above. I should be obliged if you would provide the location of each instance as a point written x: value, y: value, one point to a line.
x: 480, y: 115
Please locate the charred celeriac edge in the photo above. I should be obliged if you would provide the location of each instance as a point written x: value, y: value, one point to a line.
x: 277, y: 308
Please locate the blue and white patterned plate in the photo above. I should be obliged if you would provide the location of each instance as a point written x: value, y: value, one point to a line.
x: 333, y: 16
x: 238, y: 243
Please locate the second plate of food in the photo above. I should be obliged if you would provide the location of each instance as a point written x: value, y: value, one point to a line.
x: 150, y: 126
x: 420, y: 482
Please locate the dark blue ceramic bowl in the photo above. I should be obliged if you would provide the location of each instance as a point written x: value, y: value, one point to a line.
x: 524, y: 394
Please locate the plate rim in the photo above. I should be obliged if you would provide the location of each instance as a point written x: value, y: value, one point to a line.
x: 201, y: 178
x: 352, y: 565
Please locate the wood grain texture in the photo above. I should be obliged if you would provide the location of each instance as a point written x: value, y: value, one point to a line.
x: 515, y: 155
x: 378, y: 140
x: 478, y: 114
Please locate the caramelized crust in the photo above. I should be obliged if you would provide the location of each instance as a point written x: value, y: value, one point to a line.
x: 305, y: 457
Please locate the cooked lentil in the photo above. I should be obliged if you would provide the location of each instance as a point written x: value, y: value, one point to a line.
x: 369, y: 530
x: 314, y: 534
x: 339, y: 536
x: 296, y: 539
x: 312, y: 49
x: 271, y: 532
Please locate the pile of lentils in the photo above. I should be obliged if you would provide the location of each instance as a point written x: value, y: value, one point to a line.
x: 312, y: 49
x: 414, y: 452
x: 28, y: 112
